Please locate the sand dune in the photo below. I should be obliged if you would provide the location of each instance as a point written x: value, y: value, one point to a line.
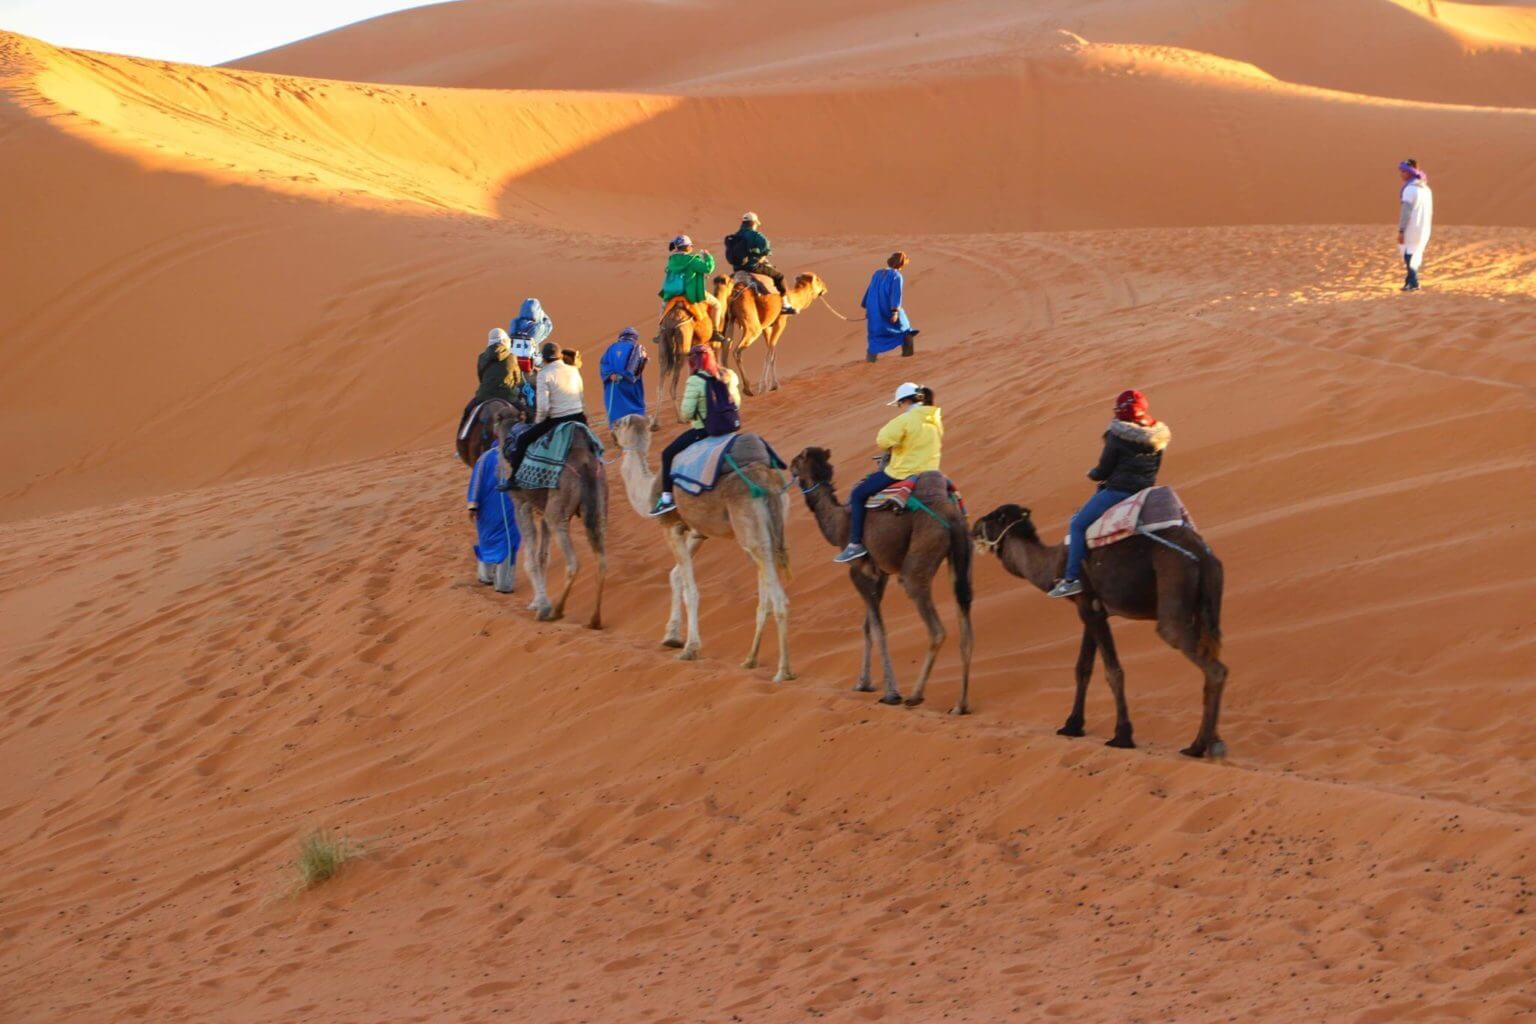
x: 235, y: 597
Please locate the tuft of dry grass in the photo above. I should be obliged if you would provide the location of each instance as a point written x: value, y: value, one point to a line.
x: 321, y: 854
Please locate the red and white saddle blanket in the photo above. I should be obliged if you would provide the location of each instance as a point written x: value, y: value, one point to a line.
x: 1148, y: 511
x: 898, y: 495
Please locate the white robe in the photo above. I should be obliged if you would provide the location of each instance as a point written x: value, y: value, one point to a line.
x: 1420, y: 219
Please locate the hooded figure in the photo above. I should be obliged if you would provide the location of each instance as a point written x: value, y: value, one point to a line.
x: 529, y: 329
x: 1415, y: 218
x: 491, y: 509
x: 621, y: 367
x: 885, y: 319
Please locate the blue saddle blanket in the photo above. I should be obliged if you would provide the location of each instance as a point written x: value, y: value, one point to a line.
x: 699, y: 467
x: 545, y: 459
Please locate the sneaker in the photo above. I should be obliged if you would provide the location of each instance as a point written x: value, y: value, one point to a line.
x: 663, y: 506
x: 851, y: 553
x: 787, y: 310
x: 1066, y: 588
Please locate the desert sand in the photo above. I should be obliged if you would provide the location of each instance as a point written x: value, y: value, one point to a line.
x: 240, y: 310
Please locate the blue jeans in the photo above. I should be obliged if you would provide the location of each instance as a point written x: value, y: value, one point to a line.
x: 866, y: 489
x: 1092, y: 509
x: 1413, y: 275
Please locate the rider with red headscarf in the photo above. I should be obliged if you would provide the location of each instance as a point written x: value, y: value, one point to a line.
x: 711, y: 407
x: 1133, y: 453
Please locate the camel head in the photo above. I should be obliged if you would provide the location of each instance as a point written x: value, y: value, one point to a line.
x: 502, y: 425
x: 811, y: 468
x: 633, y: 434
x: 991, y: 528
x: 812, y: 281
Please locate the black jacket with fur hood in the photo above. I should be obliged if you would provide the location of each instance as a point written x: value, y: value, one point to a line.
x: 1132, y: 456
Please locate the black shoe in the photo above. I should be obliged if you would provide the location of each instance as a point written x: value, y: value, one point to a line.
x: 787, y: 310
x: 912, y: 332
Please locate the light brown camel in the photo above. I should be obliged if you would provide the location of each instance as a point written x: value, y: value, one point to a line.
x: 756, y: 521
x: 583, y: 490
x: 682, y: 326
x: 750, y: 315
x: 911, y: 545
x: 1135, y: 578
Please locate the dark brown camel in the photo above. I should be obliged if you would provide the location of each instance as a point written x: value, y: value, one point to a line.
x: 1135, y: 578
x: 911, y: 545
x: 472, y: 443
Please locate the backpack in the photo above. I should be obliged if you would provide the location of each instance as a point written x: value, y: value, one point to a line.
x: 737, y: 252
x: 721, y: 416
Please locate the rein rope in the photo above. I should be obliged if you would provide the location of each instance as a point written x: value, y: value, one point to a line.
x: 832, y: 309
x: 991, y: 545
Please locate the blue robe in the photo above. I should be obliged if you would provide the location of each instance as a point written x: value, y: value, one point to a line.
x: 625, y: 396
x: 881, y: 299
x: 494, y: 518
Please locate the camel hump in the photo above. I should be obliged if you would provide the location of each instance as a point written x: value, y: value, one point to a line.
x: 756, y: 282
x: 750, y: 449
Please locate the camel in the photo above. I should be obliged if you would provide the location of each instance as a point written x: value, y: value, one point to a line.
x: 750, y: 315
x: 753, y: 514
x: 1136, y: 578
x: 911, y: 545
x: 482, y: 433
x: 583, y: 490
x: 682, y: 328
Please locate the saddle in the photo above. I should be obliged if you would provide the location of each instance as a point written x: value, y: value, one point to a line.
x: 544, y: 460
x: 704, y: 464
x: 1150, y: 511
x: 703, y: 323
x: 757, y: 283
x: 898, y: 497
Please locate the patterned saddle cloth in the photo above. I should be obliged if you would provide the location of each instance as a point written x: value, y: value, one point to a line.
x: 699, y: 467
x: 545, y: 459
x: 759, y: 283
x: 1148, y: 511
x: 898, y: 496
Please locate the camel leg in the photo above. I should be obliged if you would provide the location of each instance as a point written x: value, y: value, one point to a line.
x: 1207, y: 741
x: 562, y: 531
x: 864, y: 684
x: 600, y: 549
x: 967, y: 644
x: 771, y: 372
x: 921, y: 593
x: 871, y: 586
x: 762, y: 618
x: 533, y: 527
x: 1098, y: 622
x: 1085, y: 656
x: 780, y: 602
x: 674, y: 636
x: 682, y: 550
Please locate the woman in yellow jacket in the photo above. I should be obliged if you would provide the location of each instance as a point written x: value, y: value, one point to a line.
x: 912, y: 440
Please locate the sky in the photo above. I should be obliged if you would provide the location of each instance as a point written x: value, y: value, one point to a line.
x: 190, y: 31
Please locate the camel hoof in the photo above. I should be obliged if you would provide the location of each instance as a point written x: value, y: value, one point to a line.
x: 959, y: 709
x: 891, y: 698
x: 749, y: 663
x: 672, y: 641
x: 1121, y: 743
x: 913, y: 702
x: 864, y: 686
x: 1218, y: 751
x: 688, y: 655
x: 785, y: 677
x: 595, y: 624
x: 1070, y: 730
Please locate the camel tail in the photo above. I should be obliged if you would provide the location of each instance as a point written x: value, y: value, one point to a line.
x: 775, y: 501
x: 1212, y: 579
x: 594, y: 506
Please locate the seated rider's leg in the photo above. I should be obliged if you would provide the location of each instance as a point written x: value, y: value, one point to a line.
x: 682, y: 442
x: 1090, y: 513
x: 862, y: 492
x: 716, y: 310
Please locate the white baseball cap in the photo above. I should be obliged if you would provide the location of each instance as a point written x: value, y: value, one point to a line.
x: 754, y: 218
x: 903, y: 391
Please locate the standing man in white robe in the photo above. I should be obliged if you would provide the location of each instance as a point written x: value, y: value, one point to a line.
x: 1414, y: 220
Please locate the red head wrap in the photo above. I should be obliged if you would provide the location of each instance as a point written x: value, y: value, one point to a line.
x: 1131, y: 406
x: 702, y: 357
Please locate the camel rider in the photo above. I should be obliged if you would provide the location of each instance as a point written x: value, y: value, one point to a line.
x: 688, y: 276
x: 559, y: 392
x: 913, y: 440
x: 1133, y: 453
x: 529, y: 329
x: 711, y: 407
x: 748, y: 249
x: 499, y: 375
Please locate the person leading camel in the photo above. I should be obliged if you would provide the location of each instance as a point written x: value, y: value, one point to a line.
x: 1133, y: 453
x: 886, y: 322
x: 913, y: 441
x: 748, y: 249
x: 559, y: 401
x: 711, y: 407
x: 688, y: 275
x: 622, y: 366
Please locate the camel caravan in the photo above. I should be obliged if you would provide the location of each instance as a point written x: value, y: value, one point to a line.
x: 1132, y: 550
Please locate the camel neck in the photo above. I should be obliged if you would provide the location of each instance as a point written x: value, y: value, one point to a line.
x: 638, y: 480
x: 1031, y: 560
x: 831, y: 514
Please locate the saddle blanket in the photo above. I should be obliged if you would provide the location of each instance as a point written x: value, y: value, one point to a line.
x: 699, y: 466
x: 898, y: 496
x: 470, y: 418
x: 545, y: 459
x: 1148, y: 511
x: 759, y: 283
